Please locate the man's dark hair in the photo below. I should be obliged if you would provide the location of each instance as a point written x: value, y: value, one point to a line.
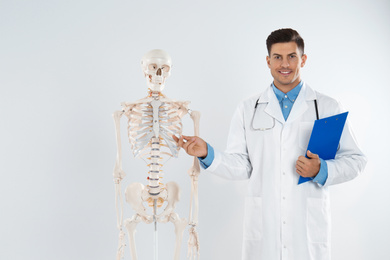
x: 285, y: 35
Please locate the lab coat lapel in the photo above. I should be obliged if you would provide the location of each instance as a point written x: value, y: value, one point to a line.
x: 273, y: 108
x: 300, y: 105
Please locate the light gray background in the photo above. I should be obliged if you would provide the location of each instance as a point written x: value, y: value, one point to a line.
x: 65, y: 66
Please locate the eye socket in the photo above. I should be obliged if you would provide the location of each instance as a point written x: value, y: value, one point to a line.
x: 166, y: 68
x: 152, y: 66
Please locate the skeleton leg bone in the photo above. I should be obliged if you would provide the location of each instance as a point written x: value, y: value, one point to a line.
x: 135, y: 194
x: 180, y: 225
x: 130, y: 225
x: 173, y: 197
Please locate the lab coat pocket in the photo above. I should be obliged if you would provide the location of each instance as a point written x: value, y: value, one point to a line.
x: 305, y: 129
x: 253, y: 220
x: 318, y: 228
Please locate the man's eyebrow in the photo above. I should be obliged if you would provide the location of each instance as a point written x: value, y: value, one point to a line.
x: 276, y: 54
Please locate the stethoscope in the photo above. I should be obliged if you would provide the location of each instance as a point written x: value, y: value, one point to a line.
x: 273, y: 125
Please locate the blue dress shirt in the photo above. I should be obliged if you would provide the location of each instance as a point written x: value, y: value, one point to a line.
x: 286, y: 102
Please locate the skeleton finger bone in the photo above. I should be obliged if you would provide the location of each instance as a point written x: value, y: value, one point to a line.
x: 193, y: 245
x: 121, y: 246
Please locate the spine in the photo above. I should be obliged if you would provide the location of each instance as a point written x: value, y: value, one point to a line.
x: 154, y: 168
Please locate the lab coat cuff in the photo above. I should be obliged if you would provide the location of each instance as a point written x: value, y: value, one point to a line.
x: 322, y: 175
x: 208, y: 160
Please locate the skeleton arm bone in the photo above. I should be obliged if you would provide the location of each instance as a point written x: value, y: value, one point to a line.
x: 196, y: 147
x: 118, y: 172
x: 194, y: 171
x: 118, y: 176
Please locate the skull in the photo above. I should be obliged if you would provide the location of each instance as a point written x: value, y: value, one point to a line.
x: 156, y: 65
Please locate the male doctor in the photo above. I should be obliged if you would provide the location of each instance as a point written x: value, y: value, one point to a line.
x: 268, y: 137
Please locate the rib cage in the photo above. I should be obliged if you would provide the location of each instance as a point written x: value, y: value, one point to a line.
x: 140, y: 127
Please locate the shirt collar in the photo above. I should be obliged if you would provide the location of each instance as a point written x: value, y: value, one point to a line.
x: 291, y: 95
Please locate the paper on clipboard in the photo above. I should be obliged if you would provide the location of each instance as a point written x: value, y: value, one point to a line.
x: 325, y: 138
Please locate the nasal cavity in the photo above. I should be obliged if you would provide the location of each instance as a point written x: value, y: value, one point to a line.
x: 158, y: 73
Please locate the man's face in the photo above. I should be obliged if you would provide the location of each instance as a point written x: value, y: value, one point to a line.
x: 285, y: 62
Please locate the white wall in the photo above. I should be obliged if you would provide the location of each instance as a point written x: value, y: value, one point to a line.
x: 65, y: 66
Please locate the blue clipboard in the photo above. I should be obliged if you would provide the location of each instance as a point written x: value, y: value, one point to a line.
x: 325, y: 138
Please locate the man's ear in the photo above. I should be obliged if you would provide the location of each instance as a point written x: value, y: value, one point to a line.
x: 268, y: 61
x: 304, y: 59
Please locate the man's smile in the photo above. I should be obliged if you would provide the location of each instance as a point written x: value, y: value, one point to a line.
x: 285, y: 72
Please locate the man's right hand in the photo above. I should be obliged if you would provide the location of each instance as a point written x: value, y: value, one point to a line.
x: 193, y: 145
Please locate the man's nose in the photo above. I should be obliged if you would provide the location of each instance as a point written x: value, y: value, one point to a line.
x: 158, y: 73
x: 285, y: 63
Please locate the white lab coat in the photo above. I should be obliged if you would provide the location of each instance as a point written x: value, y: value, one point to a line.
x: 284, y: 220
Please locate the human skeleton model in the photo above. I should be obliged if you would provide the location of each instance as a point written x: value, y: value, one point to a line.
x: 151, y: 123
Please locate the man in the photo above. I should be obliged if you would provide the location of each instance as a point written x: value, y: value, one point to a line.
x: 267, y: 142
